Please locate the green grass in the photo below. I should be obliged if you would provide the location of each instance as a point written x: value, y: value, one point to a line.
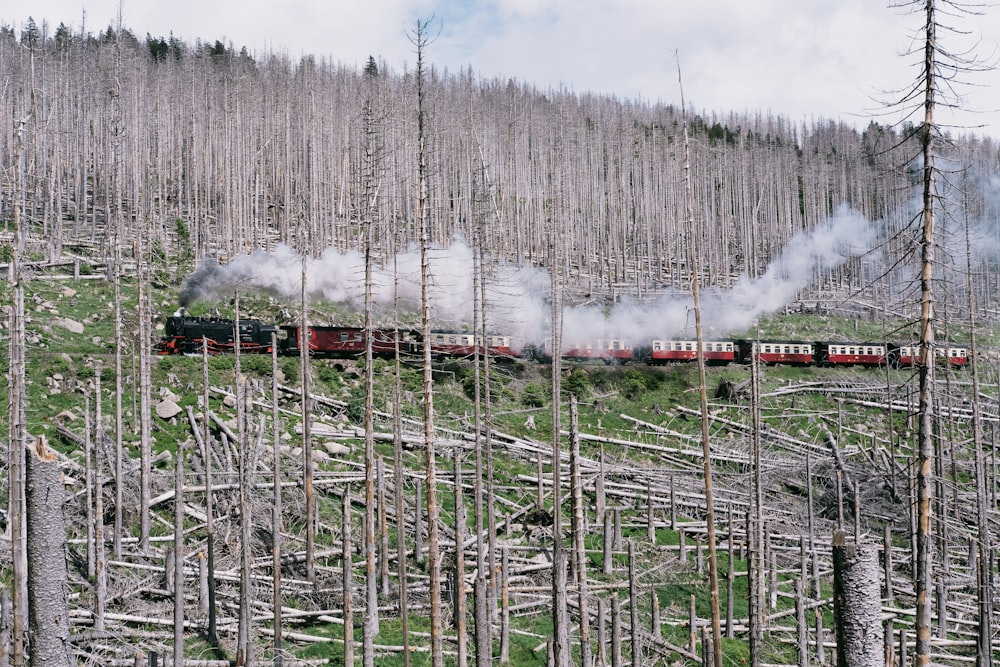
x: 517, y: 390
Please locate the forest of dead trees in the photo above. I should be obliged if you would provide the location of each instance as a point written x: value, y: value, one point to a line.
x: 141, y: 155
x: 212, y: 152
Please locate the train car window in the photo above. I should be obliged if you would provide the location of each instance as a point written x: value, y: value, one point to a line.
x: 687, y: 346
x: 343, y: 336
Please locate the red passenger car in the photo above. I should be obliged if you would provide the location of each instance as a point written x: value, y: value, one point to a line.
x: 850, y: 354
x: 792, y: 352
x: 465, y: 344
x: 908, y: 356
x: 715, y: 351
x: 609, y: 350
x: 347, y: 341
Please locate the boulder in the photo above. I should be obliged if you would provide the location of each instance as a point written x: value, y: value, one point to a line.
x: 335, y: 448
x: 70, y: 325
x: 167, y: 409
x: 168, y: 395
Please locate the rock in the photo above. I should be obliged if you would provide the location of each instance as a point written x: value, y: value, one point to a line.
x: 66, y: 416
x: 70, y: 325
x: 68, y: 292
x: 168, y: 395
x: 65, y: 357
x: 335, y: 448
x: 319, y: 456
x: 229, y: 401
x: 167, y: 409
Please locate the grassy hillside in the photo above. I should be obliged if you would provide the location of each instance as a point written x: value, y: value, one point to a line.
x: 639, y: 440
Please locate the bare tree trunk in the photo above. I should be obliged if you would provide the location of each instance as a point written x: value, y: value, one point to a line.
x: 560, y: 646
x: 18, y: 436
x: 984, y: 547
x: 857, y: 604
x: 145, y: 393
x: 276, y: 524
x: 925, y: 408
x: 481, y: 598
x: 48, y: 579
x: 306, y: 402
x: 179, y: 555
x: 371, y: 622
x: 100, y: 554
x: 461, y: 631
x: 89, y: 483
x: 213, y: 635
x: 433, y: 557
x: 713, y: 564
x: 348, y: 576
x: 246, y: 464
x: 119, y: 407
x: 579, y: 546
x: 397, y: 474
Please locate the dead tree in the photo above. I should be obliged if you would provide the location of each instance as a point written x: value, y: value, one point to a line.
x: 713, y: 565
x: 370, y: 185
x: 857, y: 604
x: 420, y: 40
x: 48, y: 578
x: 17, y: 431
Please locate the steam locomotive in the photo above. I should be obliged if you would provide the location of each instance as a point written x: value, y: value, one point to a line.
x: 190, y: 335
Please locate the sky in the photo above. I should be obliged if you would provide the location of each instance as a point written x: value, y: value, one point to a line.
x: 805, y: 60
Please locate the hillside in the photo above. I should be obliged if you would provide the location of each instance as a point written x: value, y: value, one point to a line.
x: 640, y: 472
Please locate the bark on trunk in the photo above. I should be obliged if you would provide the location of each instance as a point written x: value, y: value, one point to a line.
x: 857, y: 604
x: 48, y: 604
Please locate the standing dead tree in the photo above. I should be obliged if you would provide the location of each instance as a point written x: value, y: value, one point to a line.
x: 713, y: 566
x: 48, y: 579
x: 420, y: 40
x: 857, y: 604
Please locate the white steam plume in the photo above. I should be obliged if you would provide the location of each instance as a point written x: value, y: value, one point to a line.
x: 518, y: 298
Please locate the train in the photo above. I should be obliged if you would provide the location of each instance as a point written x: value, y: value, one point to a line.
x: 193, y: 335
x: 184, y: 334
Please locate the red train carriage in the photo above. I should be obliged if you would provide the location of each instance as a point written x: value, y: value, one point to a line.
x: 715, y: 351
x: 908, y: 356
x: 850, y: 354
x: 464, y: 344
x: 343, y: 342
x: 791, y: 352
x: 609, y: 350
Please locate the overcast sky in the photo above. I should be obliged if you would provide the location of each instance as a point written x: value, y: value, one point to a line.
x: 803, y: 59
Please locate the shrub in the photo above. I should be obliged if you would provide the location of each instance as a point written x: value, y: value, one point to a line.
x: 533, y: 395
x: 632, y: 384
x: 577, y: 383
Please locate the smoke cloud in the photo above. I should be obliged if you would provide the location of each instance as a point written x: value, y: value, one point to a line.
x: 518, y: 298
